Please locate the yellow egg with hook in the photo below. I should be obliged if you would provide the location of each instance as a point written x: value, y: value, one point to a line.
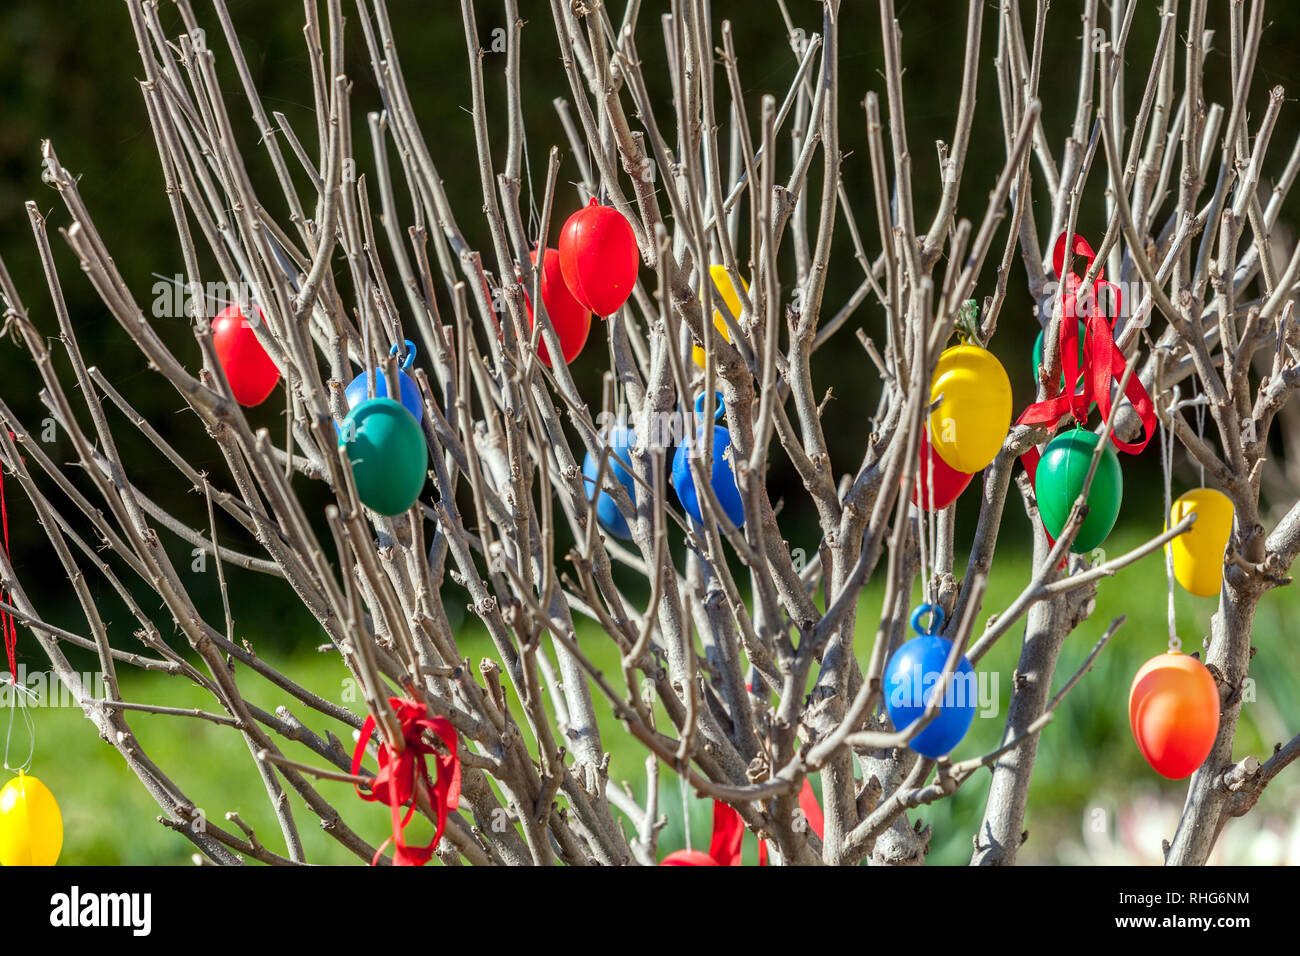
x: 722, y: 282
x: 31, y: 827
x: 1198, y: 551
x: 969, y: 424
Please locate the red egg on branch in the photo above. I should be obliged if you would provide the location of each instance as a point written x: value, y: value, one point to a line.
x: 570, y: 318
x: 249, y: 370
x: 599, y: 258
x: 937, y: 484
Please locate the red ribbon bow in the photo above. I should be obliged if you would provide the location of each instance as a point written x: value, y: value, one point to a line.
x: 729, y: 832
x: 1103, y: 362
x: 394, y: 784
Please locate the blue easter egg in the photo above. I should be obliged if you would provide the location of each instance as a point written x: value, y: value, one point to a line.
x: 607, y: 513
x: 912, y: 675
x: 722, y: 480
x: 408, y: 392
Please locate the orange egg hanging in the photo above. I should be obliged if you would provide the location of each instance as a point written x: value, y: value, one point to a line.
x: 1173, y: 708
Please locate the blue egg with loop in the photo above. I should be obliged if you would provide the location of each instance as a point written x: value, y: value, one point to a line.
x: 936, y: 618
x: 912, y: 676
x: 722, y: 480
x: 409, y: 392
x: 608, y: 514
x: 718, y: 407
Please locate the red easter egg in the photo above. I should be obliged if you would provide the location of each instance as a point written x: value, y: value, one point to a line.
x: 1173, y: 708
x: 599, y: 258
x: 688, y: 858
x: 941, y: 486
x: 249, y: 370
x: 571, y: 320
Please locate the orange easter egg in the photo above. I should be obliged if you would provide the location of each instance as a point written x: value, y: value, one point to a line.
x: 1173, y: 708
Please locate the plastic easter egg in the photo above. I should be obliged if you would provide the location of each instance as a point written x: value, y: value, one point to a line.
x: 31, y: 827
x: 1198, y: 552
x: 249, y: 370
x: 620, y: 466
x: 939, y: 483
x: 968, y: 427
x: 912, y: 675
x: 722, y: 479
x: 728, y: 292
x: 599, y: 258
x: 408, y: 391
x: 571, y: 319
x: 1061, y: 473
x: 1038, y: 353
x: 388, y: 454
x: 1173, y: 708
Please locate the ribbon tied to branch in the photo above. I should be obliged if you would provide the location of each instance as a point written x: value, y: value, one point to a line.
x: 1103, y: 361
x: 395, y: 783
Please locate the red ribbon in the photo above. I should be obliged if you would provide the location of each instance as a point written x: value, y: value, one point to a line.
x: 729, y: 833
x: 1103, y: 362
x: 394, y: 784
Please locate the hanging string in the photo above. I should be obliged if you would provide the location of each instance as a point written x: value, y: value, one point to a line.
x: 534, y: 215
x: 372, y: 385
x: 933, y: 598
x: 1167, y: 467
x: 616, y: 393
x: 1200, y: 432
x: 20, y: 693
x: 921, y: 533
x: 686, y: 809
x: 6, y: 619
x: 28, y: 695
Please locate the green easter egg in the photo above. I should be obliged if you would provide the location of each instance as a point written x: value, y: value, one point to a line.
x: 388, y: 454
x: 1059, y: 480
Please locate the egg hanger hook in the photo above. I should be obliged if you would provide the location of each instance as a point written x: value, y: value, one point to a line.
x: 936, y: 619
x: 406, y: 351
x: 718, y: 407
x: 968, y: 322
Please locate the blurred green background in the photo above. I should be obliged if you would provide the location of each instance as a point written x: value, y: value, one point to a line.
x: 69, y: 72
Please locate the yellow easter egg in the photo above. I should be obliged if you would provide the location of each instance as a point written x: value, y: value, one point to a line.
x: 722, y: 282
x: 1198, y: 552
x: 31, y: 827
x: 968, y: 427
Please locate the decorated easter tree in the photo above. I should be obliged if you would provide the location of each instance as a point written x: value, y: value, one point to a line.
x: 435, y: 443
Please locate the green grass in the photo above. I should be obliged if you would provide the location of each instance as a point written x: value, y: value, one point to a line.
x: 1086, y: 758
